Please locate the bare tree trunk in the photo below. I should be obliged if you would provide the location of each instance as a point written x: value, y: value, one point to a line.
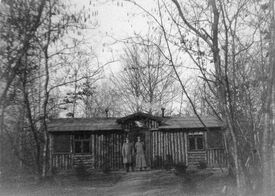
x: 228, y: 114
x: 45, y: 154
x: 2, y: 135
x: 32, y: 125
x: 240, y: 179
x: 269, y: 122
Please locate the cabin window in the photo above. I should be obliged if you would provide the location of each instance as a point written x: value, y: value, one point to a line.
x: 82, y: 143
x: 195, y: 141
x: 61, y: 143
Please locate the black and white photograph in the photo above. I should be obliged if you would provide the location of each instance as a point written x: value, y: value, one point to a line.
x: 137, y: 97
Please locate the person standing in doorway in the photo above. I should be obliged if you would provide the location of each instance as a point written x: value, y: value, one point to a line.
x: 127, y: 153
x: 140, y: 157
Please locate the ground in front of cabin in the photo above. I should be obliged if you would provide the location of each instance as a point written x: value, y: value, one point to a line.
x: 156, y: 182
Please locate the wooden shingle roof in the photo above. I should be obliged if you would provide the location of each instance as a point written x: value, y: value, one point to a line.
x: 108, y: 124
x: 83, y: 124
x: 189, y: 122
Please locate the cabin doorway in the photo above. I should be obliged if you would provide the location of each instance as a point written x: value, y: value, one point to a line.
x: 145, y: 136
x: 134, y: 133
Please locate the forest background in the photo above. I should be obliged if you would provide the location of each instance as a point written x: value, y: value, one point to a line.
x: 193, y: 58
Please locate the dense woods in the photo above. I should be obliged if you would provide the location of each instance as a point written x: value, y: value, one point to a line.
x: 227, y: 48
x: 32, y: 52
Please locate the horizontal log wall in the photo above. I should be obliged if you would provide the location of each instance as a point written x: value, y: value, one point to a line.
x: 168, y: 148
x: 83, y: 160
x: 194, y: 157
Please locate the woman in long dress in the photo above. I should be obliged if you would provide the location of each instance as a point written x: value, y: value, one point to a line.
x: 127, y: 153
x: 140, y: 157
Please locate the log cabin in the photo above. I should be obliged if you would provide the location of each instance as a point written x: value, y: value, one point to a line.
x: 96, y: 142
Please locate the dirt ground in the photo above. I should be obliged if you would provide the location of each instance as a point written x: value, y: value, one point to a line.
x: 155, y: 182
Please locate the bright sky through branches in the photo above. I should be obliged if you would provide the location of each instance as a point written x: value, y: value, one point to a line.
x: 116, y: 21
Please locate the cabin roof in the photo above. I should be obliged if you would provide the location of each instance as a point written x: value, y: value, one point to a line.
x: 138, y: 116
x: 189, y: 122
x: 114, y: 124
x: 83, y: 124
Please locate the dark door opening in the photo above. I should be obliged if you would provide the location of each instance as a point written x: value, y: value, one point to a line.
x: 144, y: 135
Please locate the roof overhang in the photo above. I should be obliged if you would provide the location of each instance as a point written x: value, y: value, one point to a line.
x: 80, y: 124
x: 138, y: 116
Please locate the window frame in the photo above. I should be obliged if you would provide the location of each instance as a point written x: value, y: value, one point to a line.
x: 196, y: 135
x: 82, y: 141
